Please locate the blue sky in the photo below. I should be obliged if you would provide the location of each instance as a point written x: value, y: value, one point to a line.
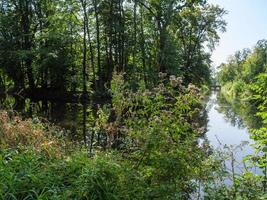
x: 247, y: 23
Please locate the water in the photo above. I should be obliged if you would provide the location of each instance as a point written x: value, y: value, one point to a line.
x: 225, y: 126
x: 69, y: 116
x: 225, y: 132
x: 221, y: 131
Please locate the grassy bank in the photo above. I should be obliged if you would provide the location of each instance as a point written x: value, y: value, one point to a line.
x: 36, y: 163
x: 152, y: 151
x: 145, y: 155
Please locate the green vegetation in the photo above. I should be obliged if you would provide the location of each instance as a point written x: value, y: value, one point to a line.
x: 148, y: 159
x: 245, y: 78
x: 75, y: 45
x: 260, y: 135
x: 139, y: 69
x: 242, y: 70
x: 243, y: 81
x: 151, y: 151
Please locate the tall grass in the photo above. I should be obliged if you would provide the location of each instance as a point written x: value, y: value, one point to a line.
x: 28, y: 175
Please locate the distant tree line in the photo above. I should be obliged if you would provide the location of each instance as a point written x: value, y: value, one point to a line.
x: 243, y: 69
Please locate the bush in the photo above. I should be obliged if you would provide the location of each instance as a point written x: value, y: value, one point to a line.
x: 151, y: 135
x: 29, y: 133
x: 152, y: 152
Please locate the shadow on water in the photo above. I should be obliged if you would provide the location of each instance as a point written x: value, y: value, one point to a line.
x: 239, y: 113
x: 220, y: 120
x: 70, y: 116
x: 76, y: 119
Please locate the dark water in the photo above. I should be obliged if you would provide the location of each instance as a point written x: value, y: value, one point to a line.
x: 224, y: 125
x: 70, y: 116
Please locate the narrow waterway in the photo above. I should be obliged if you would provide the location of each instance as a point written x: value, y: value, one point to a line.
x: 223, y: 134
x: 220, y: 128
x: 223, y: 128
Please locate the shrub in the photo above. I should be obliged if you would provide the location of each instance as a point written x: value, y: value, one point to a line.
x: 29, y: 133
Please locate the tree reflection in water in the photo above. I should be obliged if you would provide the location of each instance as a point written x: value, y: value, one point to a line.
x: 239, y: 113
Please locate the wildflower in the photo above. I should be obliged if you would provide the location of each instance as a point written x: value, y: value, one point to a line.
x: 180, y: 80
x: 161, y: 87
x: 195, y: 125
x: 201, y: 130
x: 183, y: 87
x: 175, y: 81
x: 192, y: 88
x: 172, y: 77
x: 157, y: 119
x: 162, y: 75
x: 167, y: 113
x: 147, y: 93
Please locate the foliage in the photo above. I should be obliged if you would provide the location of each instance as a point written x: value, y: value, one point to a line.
x: 244, y: 77
x: 31, y: 175
x: 31, y: 133
x: 242, y: 80
x: 160, y: 130
x: 72, y: 45
x: 260, y: 135
x: 234, y: 178
x: 148, y: 142
x: 243, y: 68
x: 152, y: 151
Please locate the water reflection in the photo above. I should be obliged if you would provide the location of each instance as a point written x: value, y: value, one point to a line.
x: 77, y: 119
x: 225, y: 126
x: 228, y: 130
x: 221, y: 121
x: 239, y: 113
x: 70, y: 116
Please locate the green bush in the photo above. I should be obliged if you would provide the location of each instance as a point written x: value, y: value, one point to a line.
x: 152, y: 152
x: 157, y: 156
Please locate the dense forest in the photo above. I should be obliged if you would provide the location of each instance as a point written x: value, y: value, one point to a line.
x: 243, y: 77
x: 76, y: 45
x: 140, y: 72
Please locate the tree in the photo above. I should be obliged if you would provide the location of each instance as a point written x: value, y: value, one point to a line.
x: 69, y: 45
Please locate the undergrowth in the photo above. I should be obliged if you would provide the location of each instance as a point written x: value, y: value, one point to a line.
x: 152, y: 152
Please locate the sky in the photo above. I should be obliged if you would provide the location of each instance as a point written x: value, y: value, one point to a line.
x: 246, y: 24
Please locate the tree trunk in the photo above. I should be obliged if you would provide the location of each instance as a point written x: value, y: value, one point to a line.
x: 135, y: 33
x: 90, y: 43
x: 98, y: 40
x: 142, y: 46
x: 84, y: 49
x: 27, y: 40
x: 162, y: 44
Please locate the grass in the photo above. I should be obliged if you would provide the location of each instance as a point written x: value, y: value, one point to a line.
x: 27, y: 175
x: 36, y: 164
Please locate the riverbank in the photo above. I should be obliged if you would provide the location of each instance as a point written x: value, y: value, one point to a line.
x: 157, y: 155
x: 53, y: 169
x: 135, y: 149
